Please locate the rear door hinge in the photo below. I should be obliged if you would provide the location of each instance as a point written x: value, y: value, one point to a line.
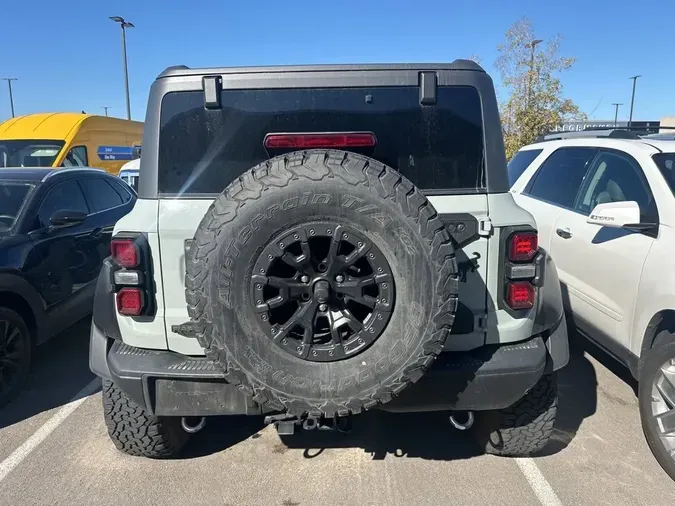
x: 484, y: 227
x: 481, y: 322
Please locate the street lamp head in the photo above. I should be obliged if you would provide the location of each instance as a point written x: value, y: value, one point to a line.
x: 635, y: 77
x: 122, y: 21
x: 534, y: 43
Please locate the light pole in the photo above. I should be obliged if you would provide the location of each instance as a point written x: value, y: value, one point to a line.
x: 105, y: 108
x: 632, y: 100
x: 11, y: 97
x: 616, y: 112
x: 531, y: 45
x: 124, y: 24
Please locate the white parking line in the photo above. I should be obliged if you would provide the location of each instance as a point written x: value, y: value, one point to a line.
x: 46, y: 429
x: 538, y: 483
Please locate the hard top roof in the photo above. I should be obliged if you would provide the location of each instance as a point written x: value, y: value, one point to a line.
x: 182, y: 70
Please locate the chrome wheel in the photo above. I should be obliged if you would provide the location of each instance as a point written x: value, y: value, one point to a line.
x: 663, y: 405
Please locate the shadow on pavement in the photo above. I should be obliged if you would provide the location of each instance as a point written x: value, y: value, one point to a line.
x: 60, y: 369
x: 415, y: 435
x: 577, y: 395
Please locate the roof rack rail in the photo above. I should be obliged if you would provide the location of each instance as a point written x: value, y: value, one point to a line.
x: 589, y: 133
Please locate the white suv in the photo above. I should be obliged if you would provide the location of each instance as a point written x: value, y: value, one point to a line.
x: 605, y: 211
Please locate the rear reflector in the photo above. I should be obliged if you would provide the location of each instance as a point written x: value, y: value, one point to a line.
x: 523, y: 246
x: 130, y: 301
x: 520, y: 295
x: 124, y: 252
x: 320, y: 140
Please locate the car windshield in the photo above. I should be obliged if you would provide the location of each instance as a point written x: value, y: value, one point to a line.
x: 666, y: 164
x: 29, y: 153
x: 12, y: 197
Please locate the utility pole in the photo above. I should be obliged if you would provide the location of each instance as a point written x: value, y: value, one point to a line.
x: 616, y: 112
x: 11, y: 97
x: 124, y: 24
x: 105, y: 108
x: 632, y: 100
x: 531, y: 45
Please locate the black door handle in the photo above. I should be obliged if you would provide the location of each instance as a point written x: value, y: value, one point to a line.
x: 96, y: 233
x: 564, y: 233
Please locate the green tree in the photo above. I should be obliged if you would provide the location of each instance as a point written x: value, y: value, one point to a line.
x: 530, y: 77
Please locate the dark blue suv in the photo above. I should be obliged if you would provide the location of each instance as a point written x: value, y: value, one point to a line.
x: 55, y: 230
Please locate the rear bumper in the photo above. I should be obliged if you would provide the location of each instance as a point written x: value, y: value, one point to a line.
x: 170, y: 384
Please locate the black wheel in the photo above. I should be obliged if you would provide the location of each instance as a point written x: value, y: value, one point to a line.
x: 15, y: 354
x: 656, y: 397
x: 137, y: 433
x: 524, y: 428
x: 323, y: 283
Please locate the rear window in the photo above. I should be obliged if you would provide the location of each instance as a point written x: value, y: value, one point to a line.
x: 437, y: 147
x: 520, y: 162
x: 666, y: 164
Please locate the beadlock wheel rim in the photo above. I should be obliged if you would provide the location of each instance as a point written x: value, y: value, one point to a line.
x: 322, y: 292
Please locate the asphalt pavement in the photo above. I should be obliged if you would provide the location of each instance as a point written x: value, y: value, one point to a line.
x: 54, y: 450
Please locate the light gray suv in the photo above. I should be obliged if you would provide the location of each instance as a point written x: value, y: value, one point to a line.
x: 313, y: 242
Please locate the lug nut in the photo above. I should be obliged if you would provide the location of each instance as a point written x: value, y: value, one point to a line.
x: 258, y: 286
x: 311, y: 232
x: 339, y: 278
x: 371, y: 255
x: 304, y: 278
x: 264, y: 317
x: 323, y: 307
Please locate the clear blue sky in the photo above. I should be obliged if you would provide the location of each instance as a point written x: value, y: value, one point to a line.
x: 67, y: 54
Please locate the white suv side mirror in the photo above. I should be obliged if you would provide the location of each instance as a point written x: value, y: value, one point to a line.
x: 615, y: 214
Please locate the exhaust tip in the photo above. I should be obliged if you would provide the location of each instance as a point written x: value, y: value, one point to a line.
x: 188, y: 426
x: 462, y: 421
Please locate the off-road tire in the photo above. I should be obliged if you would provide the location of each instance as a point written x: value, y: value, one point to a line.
x: 523, y: 429
x: 137, y: 433
x: 247, y: 217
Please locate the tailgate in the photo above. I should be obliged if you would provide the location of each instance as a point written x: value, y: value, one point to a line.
x: 178, y: 221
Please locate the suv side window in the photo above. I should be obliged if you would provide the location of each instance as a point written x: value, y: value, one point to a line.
x: 616, y: 177
x: 100, y: 195
x: 66, y: 195
x: 559, y: 178
x: 520, y: 162
x: 121, y: 190
x: 76, y: 157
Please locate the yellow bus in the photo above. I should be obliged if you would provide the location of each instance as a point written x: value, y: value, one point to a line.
x: 65, y: 139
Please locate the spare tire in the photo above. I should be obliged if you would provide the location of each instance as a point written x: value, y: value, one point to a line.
x: 323, y: 282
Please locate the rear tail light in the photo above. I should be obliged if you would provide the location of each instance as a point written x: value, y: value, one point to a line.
x: 132, y: 274
x: 520, y: 295
x: 124, y: 252
x: 130, y: 301
x: 320, y: 140
x: 522, y: 269
x: 523, y: 246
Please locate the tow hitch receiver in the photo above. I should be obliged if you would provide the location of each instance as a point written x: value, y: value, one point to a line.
x: 286, y: 424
